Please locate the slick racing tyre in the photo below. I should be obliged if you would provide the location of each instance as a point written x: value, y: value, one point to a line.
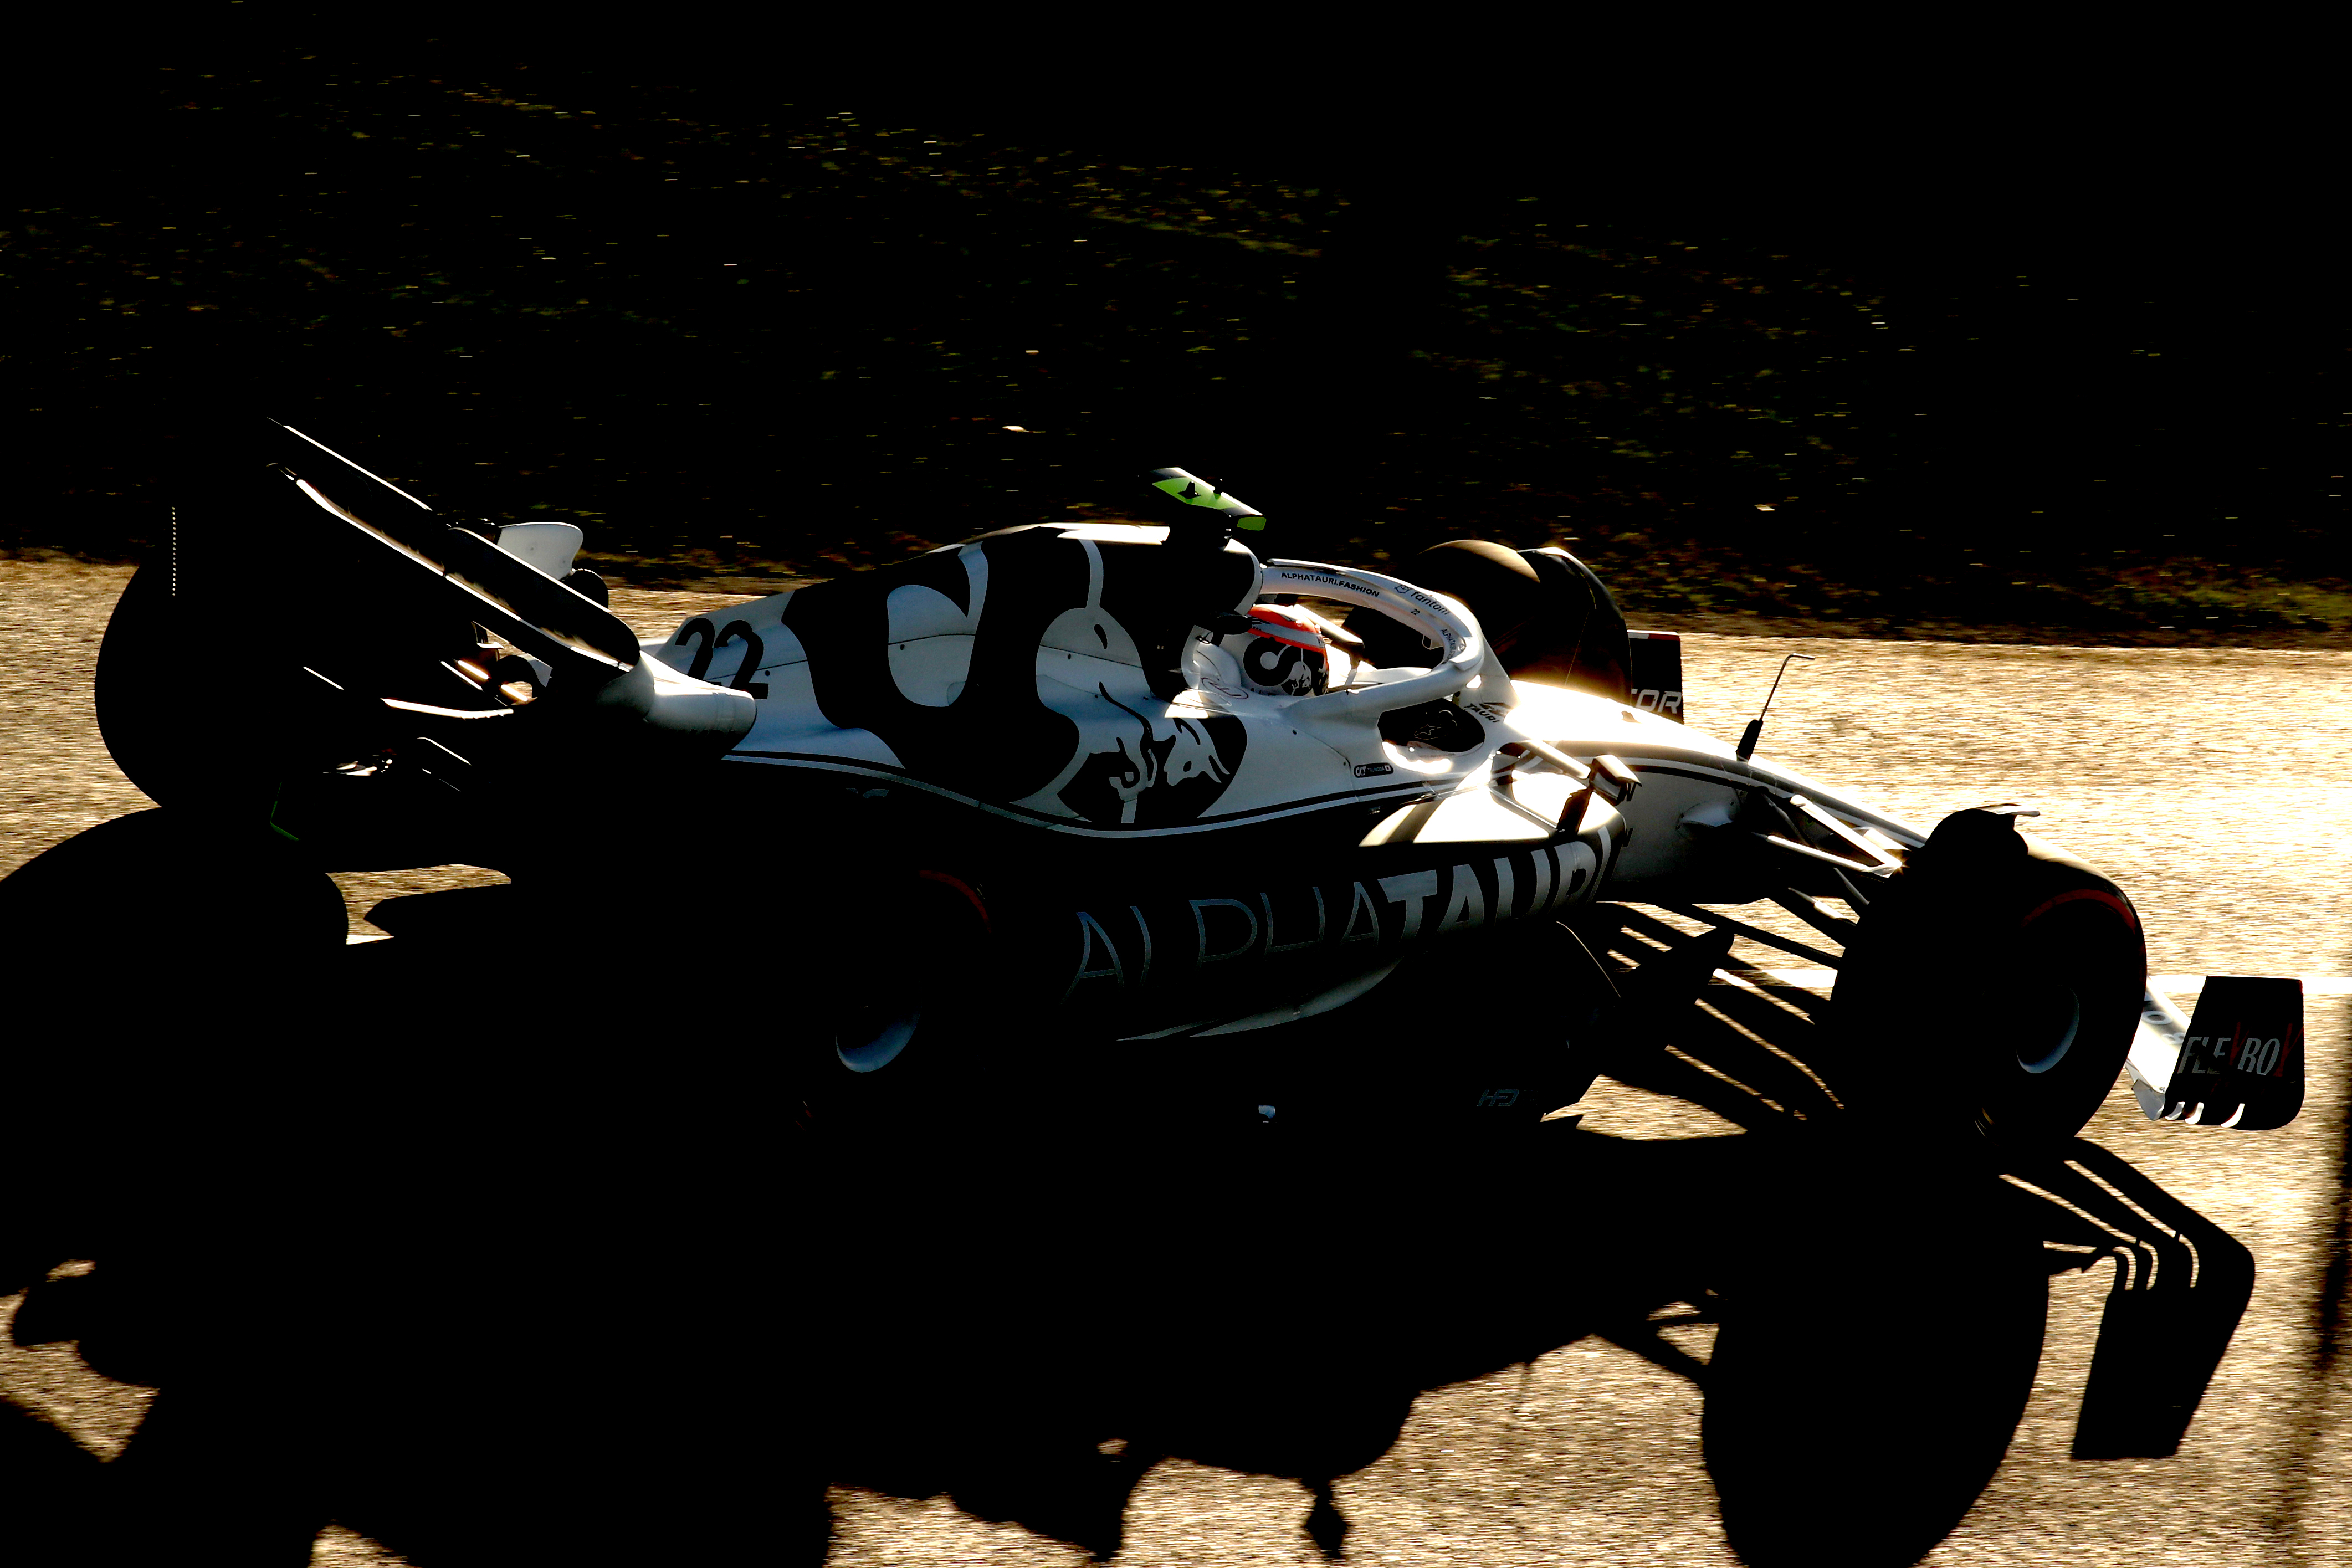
x: 192, y: 727
x: 1997, y: 981
x: 1547, y: 617
x: 154, y: 727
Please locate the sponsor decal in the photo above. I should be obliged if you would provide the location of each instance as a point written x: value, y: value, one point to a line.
x: 1286, y: 575
x: 2252, y: 1055
x: 1465, y: 905
x: 1094, y: 945
x: 1266, y: 905
x: 1151, y: 779
x: 1411, y: 889
x: 1202, y: 955
x: 706, y: 643
x: 1266, y: 924
x: 2241, y: 1059
x: 1374, y: 770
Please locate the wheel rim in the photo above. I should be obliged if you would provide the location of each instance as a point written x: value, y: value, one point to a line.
x: 870, y: 1044
x: 2064, y: 1014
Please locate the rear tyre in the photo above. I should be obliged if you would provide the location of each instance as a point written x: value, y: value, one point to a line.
x: 144, y: 696
x: 1545, y: 614
x: 197, y: 726
x: 1997, y: 982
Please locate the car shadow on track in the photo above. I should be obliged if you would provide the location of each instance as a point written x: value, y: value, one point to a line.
x: 481, y: 1259
x: 1064, y: 1287
x: 495, y: 1259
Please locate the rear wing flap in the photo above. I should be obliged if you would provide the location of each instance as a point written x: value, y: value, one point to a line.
x: 513, y: 600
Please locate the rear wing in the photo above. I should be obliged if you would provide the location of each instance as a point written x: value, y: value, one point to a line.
x: 572, y: 634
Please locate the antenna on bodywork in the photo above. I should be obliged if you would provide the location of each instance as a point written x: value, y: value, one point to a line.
x: 1755, y: 730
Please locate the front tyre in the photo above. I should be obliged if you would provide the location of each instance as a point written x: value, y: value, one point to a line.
x: 1996, y: 981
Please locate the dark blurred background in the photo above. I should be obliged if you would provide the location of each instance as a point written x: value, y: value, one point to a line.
x: 2009, y: 372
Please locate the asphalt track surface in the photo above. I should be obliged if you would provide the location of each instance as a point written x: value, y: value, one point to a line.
x: 2209, y: 783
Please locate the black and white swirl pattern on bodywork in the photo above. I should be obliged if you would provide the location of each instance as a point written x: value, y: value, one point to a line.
x: 1153, y: 778
x: 1018, y: 669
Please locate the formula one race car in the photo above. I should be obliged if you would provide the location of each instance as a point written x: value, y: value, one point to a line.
x: 1115, y: 782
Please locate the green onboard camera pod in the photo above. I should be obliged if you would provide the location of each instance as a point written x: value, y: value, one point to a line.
x: 1193, y: 491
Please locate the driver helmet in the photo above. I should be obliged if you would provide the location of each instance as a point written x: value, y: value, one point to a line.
x: 1281, y: 655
